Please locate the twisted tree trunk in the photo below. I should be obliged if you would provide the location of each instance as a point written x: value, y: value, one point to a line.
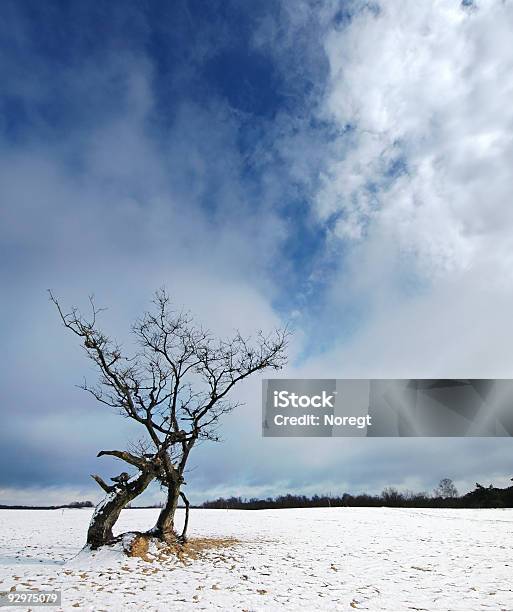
x: 118, y: 496
x: 107, y: 511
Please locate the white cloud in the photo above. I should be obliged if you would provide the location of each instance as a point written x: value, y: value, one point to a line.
x: 428, y: 87
x: 429, y: 246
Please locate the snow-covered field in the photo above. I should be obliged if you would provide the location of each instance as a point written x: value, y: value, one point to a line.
x: 308, y: 559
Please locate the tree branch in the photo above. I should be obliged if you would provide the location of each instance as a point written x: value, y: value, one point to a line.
x: 139, y: 462
x: 102, y: 483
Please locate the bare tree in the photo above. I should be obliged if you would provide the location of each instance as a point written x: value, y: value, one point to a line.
x: 446, y: 489
x: 176, y: 386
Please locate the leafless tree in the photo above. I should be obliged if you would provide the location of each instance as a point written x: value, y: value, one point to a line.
x: 446, y: 489
x: 176, y: 386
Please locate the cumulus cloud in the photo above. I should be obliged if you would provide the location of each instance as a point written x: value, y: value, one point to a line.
x: 421, y: 97
x: 415, y: 187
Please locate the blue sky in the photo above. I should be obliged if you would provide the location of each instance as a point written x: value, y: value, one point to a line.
x: 345, y: 166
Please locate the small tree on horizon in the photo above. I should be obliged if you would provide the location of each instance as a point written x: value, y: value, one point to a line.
x: 176, y: 386
x: 446, y: 489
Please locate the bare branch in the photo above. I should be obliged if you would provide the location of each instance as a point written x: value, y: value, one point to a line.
x: 139, y: 462
x: 107, y: 488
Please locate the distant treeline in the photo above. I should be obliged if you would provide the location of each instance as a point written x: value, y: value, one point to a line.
x: 444, y: 496
x: 480, y: 497
x: 73, y: 505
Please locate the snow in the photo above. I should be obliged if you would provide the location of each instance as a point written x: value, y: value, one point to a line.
x: 106, y: 500
x: 304, y: 559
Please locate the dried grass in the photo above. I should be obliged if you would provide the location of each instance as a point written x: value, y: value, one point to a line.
x: 194, y: 548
